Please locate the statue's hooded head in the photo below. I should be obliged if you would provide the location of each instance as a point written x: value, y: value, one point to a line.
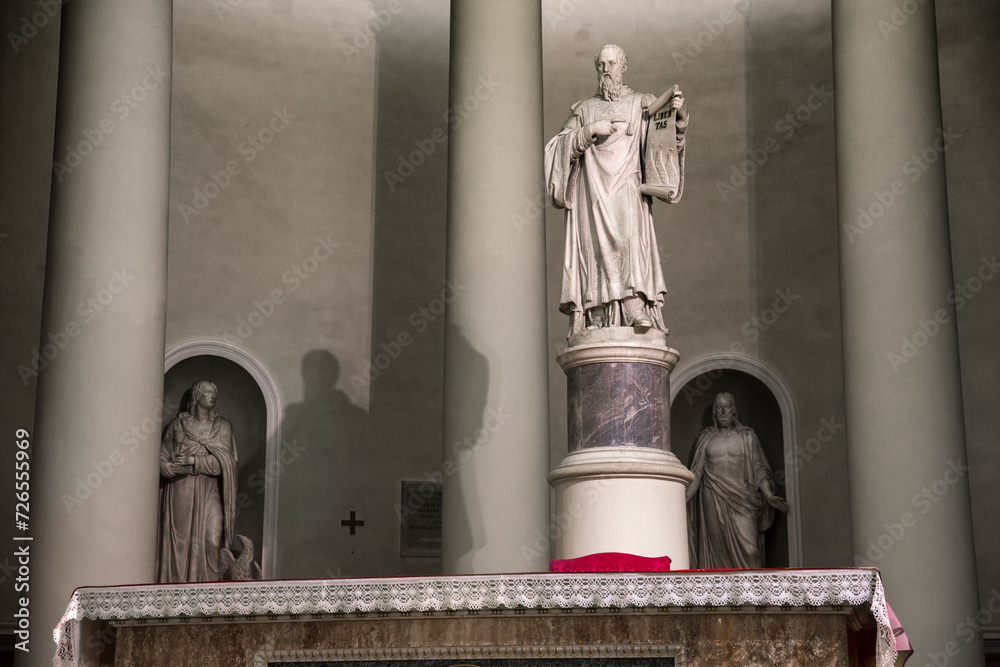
x: 203, y: 389
x: 611, y: 64
x: 724, y: 411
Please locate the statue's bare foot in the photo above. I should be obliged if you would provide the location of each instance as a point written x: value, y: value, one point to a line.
x: 642, y: 325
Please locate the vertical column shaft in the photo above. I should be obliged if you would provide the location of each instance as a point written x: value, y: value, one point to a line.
x: 496, y: 399
x: 95, y: 452
x: 909, y: 488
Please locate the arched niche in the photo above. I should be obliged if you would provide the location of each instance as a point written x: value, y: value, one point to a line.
x: 245, y: 391
x: 765, y: 404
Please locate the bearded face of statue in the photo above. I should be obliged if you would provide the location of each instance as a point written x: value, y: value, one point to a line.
x: 725, y: 411
x: 611, y: 65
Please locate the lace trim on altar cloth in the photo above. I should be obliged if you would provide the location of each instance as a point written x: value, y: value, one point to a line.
x: 796, y: 588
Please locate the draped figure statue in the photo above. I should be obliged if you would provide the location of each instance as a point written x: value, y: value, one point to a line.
x: 198, y: 465
x: 731, y: 501
x: 596, y: 169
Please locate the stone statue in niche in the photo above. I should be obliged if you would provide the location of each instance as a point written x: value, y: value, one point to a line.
x: 616, y: 151
x: 732, y: 500
x: 198, y: 464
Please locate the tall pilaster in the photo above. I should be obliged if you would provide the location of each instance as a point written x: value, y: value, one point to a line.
x: 909, y: 485
x: 94, y: 467
x: 496, y: 500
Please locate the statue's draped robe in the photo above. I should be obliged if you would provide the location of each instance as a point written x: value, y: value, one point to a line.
x: 196, y: 510
x: 727, y: 517
x: 611, y: 250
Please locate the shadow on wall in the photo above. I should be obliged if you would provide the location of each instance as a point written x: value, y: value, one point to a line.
x: 691, y: 413
x: 328, y: 460
x: 463, y: 524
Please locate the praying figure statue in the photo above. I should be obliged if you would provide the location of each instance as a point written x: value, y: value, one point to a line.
x: 616, y: 151
x: 731, y: 501
x: 197, y: 491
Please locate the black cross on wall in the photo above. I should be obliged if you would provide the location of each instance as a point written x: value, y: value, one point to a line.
x: 352, y: 523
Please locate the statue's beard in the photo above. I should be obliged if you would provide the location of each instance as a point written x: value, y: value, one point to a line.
x: 610, y: 86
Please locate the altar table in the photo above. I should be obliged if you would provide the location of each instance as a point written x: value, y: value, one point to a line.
x: 749, y: 617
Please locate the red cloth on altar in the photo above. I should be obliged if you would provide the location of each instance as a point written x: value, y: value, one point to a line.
x: 611, y: 561
x: 902, y: 641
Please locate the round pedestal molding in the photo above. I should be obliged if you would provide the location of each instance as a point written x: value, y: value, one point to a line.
x: 621, y: 499
x: 617, y: 345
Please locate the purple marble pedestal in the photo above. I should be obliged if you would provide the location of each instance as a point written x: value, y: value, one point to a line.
x: 618, y: 388
x: 620, y: 489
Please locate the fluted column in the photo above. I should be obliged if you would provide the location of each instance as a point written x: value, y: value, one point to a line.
x: 496, y: 399
x: 909, y: 485
x: 96, y: 438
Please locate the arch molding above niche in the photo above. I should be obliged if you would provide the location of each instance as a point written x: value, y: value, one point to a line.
x: 272, y: 401
x: 689, y: 371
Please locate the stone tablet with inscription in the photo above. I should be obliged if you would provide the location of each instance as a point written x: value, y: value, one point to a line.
x: 420, y: 519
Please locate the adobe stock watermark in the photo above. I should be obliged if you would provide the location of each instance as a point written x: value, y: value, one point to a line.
x: 121, y: 109
x: 461, y: 451
x: 786, y: 127
x: 967, y: 630
x: 926, y: 330
x: 453, y: 117
x: 913, y: 169
x: 419, y: 320
x: 701, y: 384
x: 564, y: 521
x: 922, y: 502
x: 31, y: 26
x: 752, y: 329
x: 531, y: 212
x: 365, y: 33
x: 758, y: 324
x: 139, y: 434
x: 87, y: 311
x: 288, y: 454
x: 294, y: 277
x: 696, y: 44
x: 562, y: 12
x: 223, y: 7
x: 898, y: 17
x: 828, y: 429
x: 248, y: 149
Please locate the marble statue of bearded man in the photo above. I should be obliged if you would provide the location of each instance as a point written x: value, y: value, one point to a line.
x: 197, y: 491
x: 594, y: 169
x: 731, y: 501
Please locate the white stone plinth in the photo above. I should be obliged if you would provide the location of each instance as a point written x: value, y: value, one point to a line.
x: 621, y: 499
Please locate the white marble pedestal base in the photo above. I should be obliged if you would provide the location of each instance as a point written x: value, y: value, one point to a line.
x: 621, y: 499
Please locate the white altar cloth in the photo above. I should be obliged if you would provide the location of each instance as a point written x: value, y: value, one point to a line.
x: 787, y: 588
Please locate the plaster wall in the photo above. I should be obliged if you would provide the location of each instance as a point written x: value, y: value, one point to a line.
x: 282, y: 262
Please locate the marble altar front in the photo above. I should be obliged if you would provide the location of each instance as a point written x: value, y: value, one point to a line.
x: 692, y: 618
